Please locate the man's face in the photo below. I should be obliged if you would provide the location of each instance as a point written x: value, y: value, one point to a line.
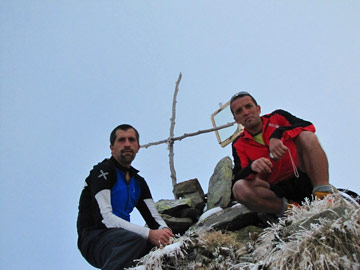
x: 125, y: 146
x: 247, y: 114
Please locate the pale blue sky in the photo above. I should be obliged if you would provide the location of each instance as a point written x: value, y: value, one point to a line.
x: 70, y: 71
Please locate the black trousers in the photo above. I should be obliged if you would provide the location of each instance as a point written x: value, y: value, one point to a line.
x: 295, y: 189
x: 112, y: 249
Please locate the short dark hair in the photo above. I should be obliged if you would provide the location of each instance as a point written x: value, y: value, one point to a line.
x: 123, y: 127
x: 240, y: 95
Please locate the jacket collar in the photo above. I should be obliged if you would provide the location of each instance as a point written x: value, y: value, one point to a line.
x: 247, y: 134
x: 131, y: 170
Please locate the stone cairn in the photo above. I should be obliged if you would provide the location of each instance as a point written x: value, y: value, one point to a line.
x: 217, y: 233
x: 180, y: 214
x: 183, y: 213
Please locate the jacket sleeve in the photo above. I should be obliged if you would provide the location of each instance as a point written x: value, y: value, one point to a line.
x: 147, y: 208
x: 240, y: 171
x: 112, y: 221
x: 290, y: 126
x: 101, y: 180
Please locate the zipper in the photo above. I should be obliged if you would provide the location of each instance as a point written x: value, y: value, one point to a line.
x: 127, y: 199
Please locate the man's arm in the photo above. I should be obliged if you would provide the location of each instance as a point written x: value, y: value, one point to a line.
x: 290, y: 126
x: 101, y: 180
x: 160, y: 233
x: 160, y: 237
x: 110, y: 220
x: 245, y: 168
x: 154, y: 213
x: 242, y: 167
x: 147, y: 208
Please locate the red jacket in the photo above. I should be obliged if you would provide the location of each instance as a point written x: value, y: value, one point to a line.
x: 279, y: 124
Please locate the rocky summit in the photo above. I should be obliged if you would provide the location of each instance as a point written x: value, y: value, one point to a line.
x: 213, y: 232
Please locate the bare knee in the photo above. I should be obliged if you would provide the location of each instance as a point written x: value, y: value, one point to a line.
x: 306, y: 140
x: 241, y: 191
x: 245, y: 190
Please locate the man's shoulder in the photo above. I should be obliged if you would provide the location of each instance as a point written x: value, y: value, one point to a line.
x: 242, y: 138
x: 236, y: 139
x: 106, y: 163
x: 276, y: 112
x: 103, y: 168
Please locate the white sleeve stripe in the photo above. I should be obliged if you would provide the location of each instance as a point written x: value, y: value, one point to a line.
x: 154, y: 212
x: 112, y: 221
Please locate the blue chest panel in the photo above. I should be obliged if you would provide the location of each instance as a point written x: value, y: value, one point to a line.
x: 124, y: 195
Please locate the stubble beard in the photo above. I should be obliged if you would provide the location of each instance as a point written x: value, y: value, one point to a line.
x: 125, y: 157
x: 254, y: 126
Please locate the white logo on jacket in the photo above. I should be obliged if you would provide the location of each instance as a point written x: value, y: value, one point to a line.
x: 103, y: 174
x: 273, y: 125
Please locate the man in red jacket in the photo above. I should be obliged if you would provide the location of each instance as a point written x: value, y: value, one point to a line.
x: 278, y: 158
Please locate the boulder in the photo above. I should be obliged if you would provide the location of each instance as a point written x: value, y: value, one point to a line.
x: 230, y: 219
x: 197, y: 199
x: 188, y: 187
x: 171, y: 207
x: 191, y: 213
x: 176, y: 224
x: 306, y: 223
x: 219, y: 192
x: 180, y: 214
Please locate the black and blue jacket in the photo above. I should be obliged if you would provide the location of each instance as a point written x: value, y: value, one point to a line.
x: 108, y: 199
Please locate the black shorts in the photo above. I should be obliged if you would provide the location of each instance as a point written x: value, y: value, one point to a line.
x: 294, y: 189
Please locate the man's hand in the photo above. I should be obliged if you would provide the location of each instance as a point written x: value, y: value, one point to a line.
x: 261, y: 165
x: 277, y: 148
x: 160, y: 237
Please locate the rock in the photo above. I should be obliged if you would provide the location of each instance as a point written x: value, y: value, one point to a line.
x: 314, y: 234
x: 192, y: 213
x: 305, y: 224
x: 198, y: 201
x: 321, y: 232
x: 230, y: 219
x: 171, y: 207
x: 311, y: 236
x: 188, y: 187
x: 182, y: 213
x: 250, y: 232
x: 177, y: 225
x: 219, y: 192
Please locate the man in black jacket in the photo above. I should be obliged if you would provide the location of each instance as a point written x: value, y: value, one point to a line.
x: 106, y: 237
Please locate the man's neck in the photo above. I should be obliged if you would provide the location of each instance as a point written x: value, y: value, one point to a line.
x: 255, y: 131
x: 126, y: 165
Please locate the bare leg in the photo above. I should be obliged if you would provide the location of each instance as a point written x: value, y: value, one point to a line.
x: 256, y: 195
x: 312, y: 158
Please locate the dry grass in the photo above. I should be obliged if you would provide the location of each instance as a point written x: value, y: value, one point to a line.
x: 217, y: 239
x: 320, y: 235
x: 323, y: 235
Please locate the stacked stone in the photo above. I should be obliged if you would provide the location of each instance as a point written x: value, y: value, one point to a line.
x: 183, y: 213
x: 232, y: 216
x: 219, y: 192
x: 180, y: 214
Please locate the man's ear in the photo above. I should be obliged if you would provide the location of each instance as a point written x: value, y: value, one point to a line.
x: 259, y: 109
